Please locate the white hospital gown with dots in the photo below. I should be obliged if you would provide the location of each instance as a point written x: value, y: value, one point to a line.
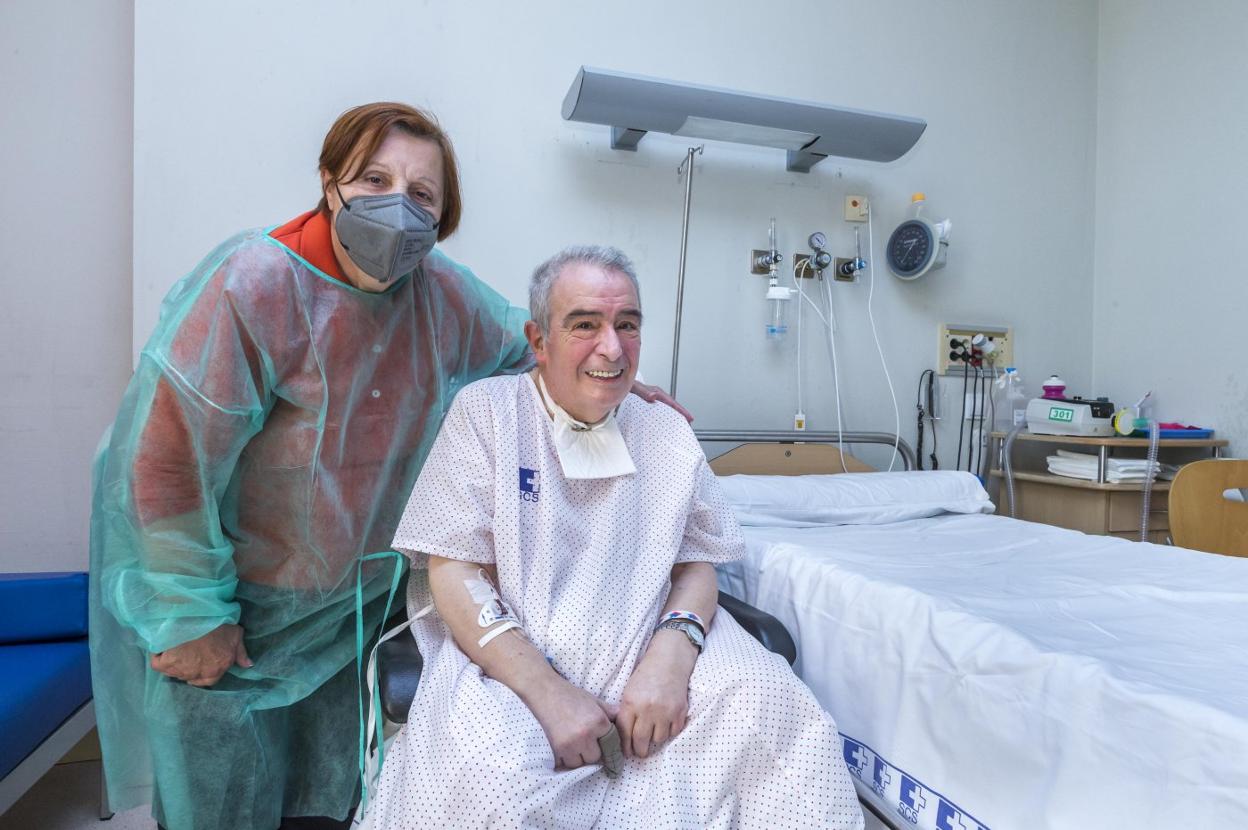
x: 586, y: 565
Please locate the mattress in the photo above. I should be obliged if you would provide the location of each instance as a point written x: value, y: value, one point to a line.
x: 992, y: 673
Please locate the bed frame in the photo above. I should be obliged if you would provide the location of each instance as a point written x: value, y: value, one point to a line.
x: 796, y: 453
x: 803, y: 453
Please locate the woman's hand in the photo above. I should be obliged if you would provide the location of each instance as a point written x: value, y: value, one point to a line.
x: 204, y: 661
x: 654, y: 394
x: 573, y: 721
x: 655, y: 703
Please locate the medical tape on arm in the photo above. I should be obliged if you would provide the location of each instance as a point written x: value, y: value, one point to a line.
x: 495, y: 613
x: 491, y: 634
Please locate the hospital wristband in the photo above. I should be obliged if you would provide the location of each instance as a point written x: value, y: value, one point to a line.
x: 687, y: 616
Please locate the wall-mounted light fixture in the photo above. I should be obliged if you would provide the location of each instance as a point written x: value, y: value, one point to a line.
x: 632, y: 105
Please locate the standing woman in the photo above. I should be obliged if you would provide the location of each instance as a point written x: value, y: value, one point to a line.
x: 267, y: 442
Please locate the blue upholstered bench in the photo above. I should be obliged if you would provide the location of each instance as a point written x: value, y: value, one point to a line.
x: 45, y: 676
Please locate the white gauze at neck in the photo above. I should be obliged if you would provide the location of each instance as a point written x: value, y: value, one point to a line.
x: 587, y: 450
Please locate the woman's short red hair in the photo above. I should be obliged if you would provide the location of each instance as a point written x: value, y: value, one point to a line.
x: 358, y: 132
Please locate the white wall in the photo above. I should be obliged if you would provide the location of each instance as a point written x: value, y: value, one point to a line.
x: 65, y: 236
x: 1171, y: 278
x: 232, y: 100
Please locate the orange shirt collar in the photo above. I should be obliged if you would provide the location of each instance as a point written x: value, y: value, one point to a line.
x: 308, y: 235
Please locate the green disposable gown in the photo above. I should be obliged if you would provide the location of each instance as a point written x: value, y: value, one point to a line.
x: 268, y: 440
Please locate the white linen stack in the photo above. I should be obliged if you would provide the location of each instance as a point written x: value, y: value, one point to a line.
x: 1117, y: 470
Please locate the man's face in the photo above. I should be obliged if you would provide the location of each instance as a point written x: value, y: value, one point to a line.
x: 589, y: 357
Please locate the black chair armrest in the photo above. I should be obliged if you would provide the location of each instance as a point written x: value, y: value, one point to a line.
x: 398, y: 674
x: 399, y: 662
x: 761, y: 626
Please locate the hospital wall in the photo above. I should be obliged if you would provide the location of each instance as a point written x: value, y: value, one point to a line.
x: 1172, y: 163
x: 65, y: 139
x: 233, y: 98
x: 213, y: 116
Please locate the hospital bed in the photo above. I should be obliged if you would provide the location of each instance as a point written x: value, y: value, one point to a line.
x: 993, y: 673
x: 985, y: 672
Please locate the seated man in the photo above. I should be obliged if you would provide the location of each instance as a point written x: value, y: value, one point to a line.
x: 566, y: 532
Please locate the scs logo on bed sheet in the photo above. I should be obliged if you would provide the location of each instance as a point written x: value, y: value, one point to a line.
x: 914, y: 801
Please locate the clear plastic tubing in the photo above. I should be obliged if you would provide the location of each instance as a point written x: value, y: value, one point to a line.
x: 1154, y: 436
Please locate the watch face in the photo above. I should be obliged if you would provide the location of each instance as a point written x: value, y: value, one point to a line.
x: 689, y: 629
x: 910, y: 247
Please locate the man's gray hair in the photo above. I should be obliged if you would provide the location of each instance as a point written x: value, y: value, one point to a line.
x: 544, y: 276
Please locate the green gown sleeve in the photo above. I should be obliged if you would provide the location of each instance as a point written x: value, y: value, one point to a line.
x: 483, y: 328
x: 198, y: 395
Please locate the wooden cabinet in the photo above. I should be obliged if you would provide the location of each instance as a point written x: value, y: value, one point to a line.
x: 1098, y: 507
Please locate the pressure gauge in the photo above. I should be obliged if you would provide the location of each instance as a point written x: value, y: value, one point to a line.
x: 913, y: 249
x: 818, y: 241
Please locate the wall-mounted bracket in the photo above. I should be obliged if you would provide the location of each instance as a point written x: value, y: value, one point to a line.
x: 800, y: 161
x: 625, y: 138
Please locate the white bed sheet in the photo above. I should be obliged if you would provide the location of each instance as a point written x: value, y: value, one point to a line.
x: 1002, y: 674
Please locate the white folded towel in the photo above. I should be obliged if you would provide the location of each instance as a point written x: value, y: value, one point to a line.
x: 1117, y: 470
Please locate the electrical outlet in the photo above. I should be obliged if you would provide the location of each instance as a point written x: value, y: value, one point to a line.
x: 956, y: 338
x: 857, y: 208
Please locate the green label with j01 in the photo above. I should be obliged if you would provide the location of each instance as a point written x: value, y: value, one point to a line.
x: 1061, y: 413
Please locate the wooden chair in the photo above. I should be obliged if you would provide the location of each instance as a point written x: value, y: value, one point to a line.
x: 1202, y: 518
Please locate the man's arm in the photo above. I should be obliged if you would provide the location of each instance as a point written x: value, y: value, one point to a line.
x: 655, y: 703
x: 572, y: 718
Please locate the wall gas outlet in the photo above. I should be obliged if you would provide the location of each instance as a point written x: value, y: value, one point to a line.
x: 837, y: 272
x: 803, y: 267
x: 955, y: 351
x: 758, y: 262
x: 857, y: 208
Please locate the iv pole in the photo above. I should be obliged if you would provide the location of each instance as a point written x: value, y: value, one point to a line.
x: 684, y: 250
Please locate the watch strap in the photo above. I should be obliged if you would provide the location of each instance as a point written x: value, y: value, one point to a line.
x: 689, y: 629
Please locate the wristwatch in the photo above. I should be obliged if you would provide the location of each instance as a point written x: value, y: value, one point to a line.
x: 691, y: 631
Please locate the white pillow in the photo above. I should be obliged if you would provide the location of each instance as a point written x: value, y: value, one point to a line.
x: 852, y: 498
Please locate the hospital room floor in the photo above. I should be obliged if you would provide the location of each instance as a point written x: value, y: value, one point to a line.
x: 67, y: 798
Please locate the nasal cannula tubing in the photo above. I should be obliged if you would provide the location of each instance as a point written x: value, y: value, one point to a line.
x: 800, y: 296
x: 829, y: 323
x: 830, y: 326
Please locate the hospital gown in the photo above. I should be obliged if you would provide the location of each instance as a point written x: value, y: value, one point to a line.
x: 586, y: 565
